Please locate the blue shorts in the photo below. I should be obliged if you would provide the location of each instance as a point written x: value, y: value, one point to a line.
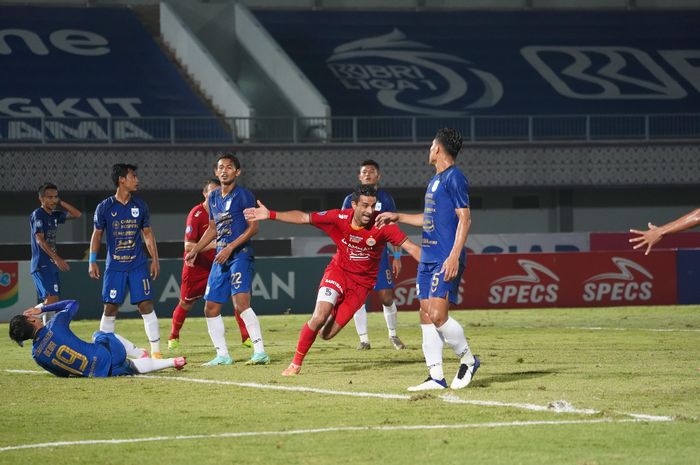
x: 120, y: 366
x: 385, y: 278
x: 46, y: 282
x: 229, y: 279
x: 431, y: 283
x: 114, y: 286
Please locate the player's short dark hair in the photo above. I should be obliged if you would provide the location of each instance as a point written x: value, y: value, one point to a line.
x: 120, y: 170
x: 450, y: 139
x: 363, y: 189
x: 228, y: 156
x: 206, y: 183
x: 21, y: 329
x: 370, y: 162
x: 46, y: 185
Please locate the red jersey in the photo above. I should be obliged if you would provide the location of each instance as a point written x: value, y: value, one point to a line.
x: 359, y: 250
x: 197, y: 224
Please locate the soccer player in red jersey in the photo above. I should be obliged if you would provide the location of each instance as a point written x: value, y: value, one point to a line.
x: 194, y: 278
x: 352, y: 272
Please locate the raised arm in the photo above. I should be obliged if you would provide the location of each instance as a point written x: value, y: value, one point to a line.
x: 654, y: 234
x: 72, y: 211
x: 263, y: 213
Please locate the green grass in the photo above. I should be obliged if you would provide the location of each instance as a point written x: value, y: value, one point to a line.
x: 528, y: 357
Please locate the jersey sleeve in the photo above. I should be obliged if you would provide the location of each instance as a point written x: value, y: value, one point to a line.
x: 325, y: 221
x: 60, y: 216
x: 99, y: 217
x: 390, y: 204
x: 210, y: 203
x: 37, y: 223
x: 248, y: 200
x: 347, y: 203
x: 191, y: 228
x: 394, y: 235
x: 66, y: 311
x: 458, y: 188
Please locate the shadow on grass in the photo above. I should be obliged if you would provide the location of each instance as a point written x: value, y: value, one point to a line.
x: 509, y: 377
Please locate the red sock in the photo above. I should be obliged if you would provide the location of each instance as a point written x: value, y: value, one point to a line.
x: 241, y: 327
x: 306, y: 340
x: 179, y: 315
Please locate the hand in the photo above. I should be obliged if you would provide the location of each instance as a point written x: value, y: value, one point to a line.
x: 190, y: 257
x: 450, y: 268
x: 94, y: 270
x: 33, y: 311
x: 255, y: 214
x: 155, y: 269
x: 223, y: 255
x: 396, y: 267
x: 61, y: 264
x: 648, y: 237
x: 386, y: 218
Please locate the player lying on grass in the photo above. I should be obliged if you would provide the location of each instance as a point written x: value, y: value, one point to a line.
x: 352, y: 272
x: 59, y: 351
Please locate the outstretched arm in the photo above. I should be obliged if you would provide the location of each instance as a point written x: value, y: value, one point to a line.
x: 263, y: 213
x: 654, y: 234
x: 415, y: 219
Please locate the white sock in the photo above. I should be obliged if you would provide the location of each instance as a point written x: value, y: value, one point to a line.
x: 360, y: 318
x: 253, y: 326
x: 390, y: 315
x: 453, y: 333
x: 131, y: 349
x: 150, y: 323
x: 147, y: 365
x: 46, y: 317
x: 432, y: 350
x: 107, y: 323
x: 217, y: 333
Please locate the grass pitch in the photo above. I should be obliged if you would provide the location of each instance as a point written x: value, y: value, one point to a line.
x: 575, y: 386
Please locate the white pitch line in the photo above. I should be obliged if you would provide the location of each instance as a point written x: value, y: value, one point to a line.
x: 555, y: 407
x: 604, y: 328
x: 312, y: 431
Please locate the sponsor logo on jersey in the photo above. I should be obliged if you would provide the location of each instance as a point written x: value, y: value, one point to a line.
x: 197, y: 213
x: 355, y: 239
x: 113, y: 214
x: 539, y: 284
x: 342, y: 217
x: 39, y: 224
x: 116, y: 224
x: 334, y: 283
x: 188, y: 229
x: 621, y: 286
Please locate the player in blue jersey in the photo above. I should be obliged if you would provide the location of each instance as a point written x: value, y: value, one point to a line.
x: 446, y: 219
x: 125, y: 221
x: 46, y: 262
x: 232, y: 272
x: 59, y: 351
x: 370, y: 175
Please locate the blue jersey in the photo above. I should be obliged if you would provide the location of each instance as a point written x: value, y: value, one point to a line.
x: 227, y: 213
x: 446, y: 192
x: 385, y: 202
x: 47, y: 224
x: 123, y: 224
x: 59, y: 351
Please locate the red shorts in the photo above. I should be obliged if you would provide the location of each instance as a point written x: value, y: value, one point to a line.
x: 352, y: 295
x: 194, y: 283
